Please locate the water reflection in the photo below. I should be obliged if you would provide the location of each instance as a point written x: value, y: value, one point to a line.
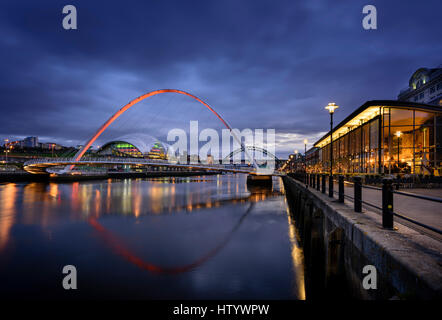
x: 221, y: 238
x: 7, y: 205
x: 118, y: 246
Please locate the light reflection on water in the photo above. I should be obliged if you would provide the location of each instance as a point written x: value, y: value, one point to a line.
x: 198, y: 237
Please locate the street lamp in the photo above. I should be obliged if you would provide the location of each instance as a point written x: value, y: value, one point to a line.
x: 6, y: 147
x: 331, y: 109
x: 305, y: 161
x: 398, y: 135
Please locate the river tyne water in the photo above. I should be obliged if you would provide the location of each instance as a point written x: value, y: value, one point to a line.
x: 207, y: 237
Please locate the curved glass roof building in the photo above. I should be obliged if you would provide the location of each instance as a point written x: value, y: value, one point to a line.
x: 135, y: 145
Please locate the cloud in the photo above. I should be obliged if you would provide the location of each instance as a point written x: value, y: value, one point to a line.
x: 260, y: 64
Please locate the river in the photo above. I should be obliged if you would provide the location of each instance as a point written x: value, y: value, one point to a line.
x: 207, y: 237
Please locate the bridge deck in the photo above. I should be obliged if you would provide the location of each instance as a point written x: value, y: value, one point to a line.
x: 39, y: 166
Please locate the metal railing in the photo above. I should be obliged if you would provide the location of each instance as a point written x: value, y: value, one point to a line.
x: 130, y: 161
x: 387, y: 190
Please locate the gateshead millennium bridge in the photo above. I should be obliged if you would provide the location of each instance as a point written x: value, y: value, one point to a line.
x: 41, y: 166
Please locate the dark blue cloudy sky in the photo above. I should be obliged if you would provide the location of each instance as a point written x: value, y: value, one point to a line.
x: 261, y: 64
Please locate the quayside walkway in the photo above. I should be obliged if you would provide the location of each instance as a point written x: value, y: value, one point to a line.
x: 408, y: 256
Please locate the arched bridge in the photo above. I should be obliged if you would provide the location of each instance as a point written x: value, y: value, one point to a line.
x: 250, y: 148
x: 40, y: 166
x: 117, y: 114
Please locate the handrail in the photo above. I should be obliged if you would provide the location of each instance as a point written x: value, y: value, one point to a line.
x: 387, y: 203
x: 418, y: 223
x: 419, y: 196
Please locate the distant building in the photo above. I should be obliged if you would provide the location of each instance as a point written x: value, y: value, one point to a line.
x: 194, y: 158
x: 184, y: 157
x: 135, y: 146
x: 425, y: 86
x: 210, y: 159
x: 51, y: 146
x: 13, y: 144
x: 30, y: 142
x: 157, y: 152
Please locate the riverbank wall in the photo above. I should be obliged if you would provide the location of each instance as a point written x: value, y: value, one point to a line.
x: 338, y: 243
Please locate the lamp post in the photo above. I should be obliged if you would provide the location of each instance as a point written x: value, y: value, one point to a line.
x: 331, y: 109
x: 305, y: 161
x: 398, y: 135
x: 295, y: 160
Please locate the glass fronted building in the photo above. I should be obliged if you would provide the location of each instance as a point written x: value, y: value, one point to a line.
x: 120, y: 149
x: 385, y: 137
x: 136, y: 146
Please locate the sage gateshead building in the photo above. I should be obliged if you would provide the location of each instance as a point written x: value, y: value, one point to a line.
x: 384, y: 137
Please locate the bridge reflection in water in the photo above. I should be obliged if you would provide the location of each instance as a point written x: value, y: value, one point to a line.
x: 199, y: 237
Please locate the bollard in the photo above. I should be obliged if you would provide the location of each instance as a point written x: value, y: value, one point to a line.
x: 330, y: 186
x: 341, y: 189
x: 358, y: 194
x: 387, y: 204
x: 323, y: 183
x: 313, y: 180
x: 318, y: 182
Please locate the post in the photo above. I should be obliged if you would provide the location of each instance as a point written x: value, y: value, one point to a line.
x: 358, y: 194
x: 387, y: 204
x: 323, y: 183
x: 313, y: 180
x: 331, y: 144
x: 305, y: 162
x: 318, y: 181
x: 341, y: 189
x: 330, y: 186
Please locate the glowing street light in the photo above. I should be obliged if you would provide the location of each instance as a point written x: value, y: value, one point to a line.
x: 398, y: 135
x: 331, y: 109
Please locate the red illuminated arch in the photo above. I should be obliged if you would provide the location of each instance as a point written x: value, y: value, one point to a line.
x: 117, y: 245
x: 83, y: 150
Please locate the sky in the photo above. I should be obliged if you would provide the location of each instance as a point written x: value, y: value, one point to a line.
x: 260, y: 64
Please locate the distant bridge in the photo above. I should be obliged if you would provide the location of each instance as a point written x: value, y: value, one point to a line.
x: 40, y: 166
x: 251, y: 148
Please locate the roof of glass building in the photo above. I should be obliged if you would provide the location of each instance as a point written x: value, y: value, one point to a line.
x: 143, y: 142
x: 369, y: 110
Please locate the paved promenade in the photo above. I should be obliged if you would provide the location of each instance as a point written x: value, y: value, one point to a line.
x: 424, y: 211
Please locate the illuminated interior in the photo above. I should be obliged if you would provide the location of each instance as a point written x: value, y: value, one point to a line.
x: 384, y: 139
